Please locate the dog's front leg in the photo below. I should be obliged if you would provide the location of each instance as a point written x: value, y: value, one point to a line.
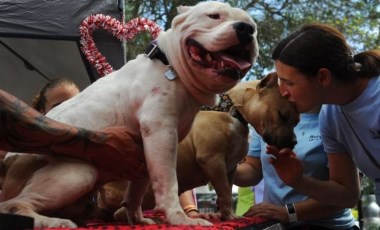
x: 133, y: 200
x: 160, y: 146
x: 216, y: 171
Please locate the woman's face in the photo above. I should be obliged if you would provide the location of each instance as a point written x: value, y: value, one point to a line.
x: 298, y: 88
x: 59, y: 94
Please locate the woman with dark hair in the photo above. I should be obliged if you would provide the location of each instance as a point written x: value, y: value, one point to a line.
x: 294, y: 209
x: 316, y: 66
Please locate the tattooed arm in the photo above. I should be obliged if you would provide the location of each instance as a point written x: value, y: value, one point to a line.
x: 23, y: 129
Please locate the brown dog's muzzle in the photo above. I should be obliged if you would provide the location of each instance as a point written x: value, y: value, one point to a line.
x: 282, y: 141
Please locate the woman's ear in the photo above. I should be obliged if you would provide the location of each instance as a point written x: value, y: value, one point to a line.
x: 324, y: 77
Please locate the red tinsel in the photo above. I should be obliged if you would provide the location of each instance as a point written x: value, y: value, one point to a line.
x: 121, y: 31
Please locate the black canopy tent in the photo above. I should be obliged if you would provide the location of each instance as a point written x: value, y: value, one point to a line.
x: 39, y: 41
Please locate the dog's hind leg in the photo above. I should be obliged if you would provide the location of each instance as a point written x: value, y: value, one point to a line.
x: 59, y: 184
x: 24, y: 208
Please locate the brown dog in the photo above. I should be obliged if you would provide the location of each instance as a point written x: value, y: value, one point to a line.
x: 219, y: 140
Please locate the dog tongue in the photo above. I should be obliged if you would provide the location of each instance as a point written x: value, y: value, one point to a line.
x: 218, y: 60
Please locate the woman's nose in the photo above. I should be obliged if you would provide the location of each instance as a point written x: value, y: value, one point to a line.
x: 283, y: 91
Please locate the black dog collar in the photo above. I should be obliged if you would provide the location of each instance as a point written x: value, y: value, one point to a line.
x: 152, y: 51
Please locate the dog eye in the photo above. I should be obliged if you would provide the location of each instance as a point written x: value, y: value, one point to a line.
x: 214, y: 16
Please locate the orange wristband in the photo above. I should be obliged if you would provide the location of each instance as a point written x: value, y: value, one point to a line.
x: 190, y: 208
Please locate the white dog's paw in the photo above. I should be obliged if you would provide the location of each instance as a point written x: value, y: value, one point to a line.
x: 183, y: 219
x: 199, y: 221
x: 47, y: 222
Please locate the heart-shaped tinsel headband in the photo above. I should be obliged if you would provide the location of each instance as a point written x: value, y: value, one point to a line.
x: 121, y: 31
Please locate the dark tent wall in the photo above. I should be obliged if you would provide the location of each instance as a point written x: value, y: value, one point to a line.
x: 27, y: 64
x: 39, y: 41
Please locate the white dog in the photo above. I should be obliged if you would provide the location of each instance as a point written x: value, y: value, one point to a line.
x: 209, y: 48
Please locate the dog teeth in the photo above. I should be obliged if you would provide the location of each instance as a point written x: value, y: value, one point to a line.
x: 196, y: 57
x: 208, y: 57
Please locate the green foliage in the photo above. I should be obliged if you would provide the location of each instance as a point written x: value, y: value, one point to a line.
x: 358, y: 20
x: 367, y: 185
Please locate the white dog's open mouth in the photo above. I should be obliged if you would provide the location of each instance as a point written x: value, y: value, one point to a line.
x: 233, y: 62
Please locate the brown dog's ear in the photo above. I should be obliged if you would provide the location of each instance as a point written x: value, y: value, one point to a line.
x: 269, y: 81
x: 237, y: 96
x: 241, y: 93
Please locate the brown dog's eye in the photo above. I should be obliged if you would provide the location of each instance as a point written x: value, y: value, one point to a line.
x: 214, y: 16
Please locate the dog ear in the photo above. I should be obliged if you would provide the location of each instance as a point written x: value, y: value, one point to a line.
x: 269, y: 81
x: 236, y: 96
x: 242, y: 92
x: 181, y: 16
x: 183, y: 9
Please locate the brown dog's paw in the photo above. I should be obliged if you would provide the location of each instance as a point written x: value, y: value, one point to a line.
x: 121, y: 215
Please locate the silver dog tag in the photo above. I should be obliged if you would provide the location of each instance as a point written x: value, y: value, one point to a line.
x: 170, y: 74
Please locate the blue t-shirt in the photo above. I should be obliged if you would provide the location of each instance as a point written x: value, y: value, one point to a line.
x: 364, y: 115
x: 309, y: 150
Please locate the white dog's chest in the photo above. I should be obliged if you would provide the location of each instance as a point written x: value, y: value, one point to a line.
x: 129, y: 96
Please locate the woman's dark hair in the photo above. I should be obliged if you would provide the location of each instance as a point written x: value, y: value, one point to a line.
x: 39, y: 100
x: 317, y: 46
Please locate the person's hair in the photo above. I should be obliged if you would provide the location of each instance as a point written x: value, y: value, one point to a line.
x: 316, y: 46
x: 39, y: 100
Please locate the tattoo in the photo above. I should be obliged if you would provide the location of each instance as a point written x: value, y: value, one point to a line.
x: 23, y: 129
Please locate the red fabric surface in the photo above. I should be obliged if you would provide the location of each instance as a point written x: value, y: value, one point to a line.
x: 225, y: 225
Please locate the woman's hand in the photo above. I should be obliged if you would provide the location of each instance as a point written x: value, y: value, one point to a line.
x: 268, y: 211
x: 289, y: 168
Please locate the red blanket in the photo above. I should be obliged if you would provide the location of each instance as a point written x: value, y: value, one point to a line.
x: 11, y: 221
x: 225, y: 225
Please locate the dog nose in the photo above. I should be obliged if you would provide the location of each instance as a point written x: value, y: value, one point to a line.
x: 244, y: 32
x: 283, y: 142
